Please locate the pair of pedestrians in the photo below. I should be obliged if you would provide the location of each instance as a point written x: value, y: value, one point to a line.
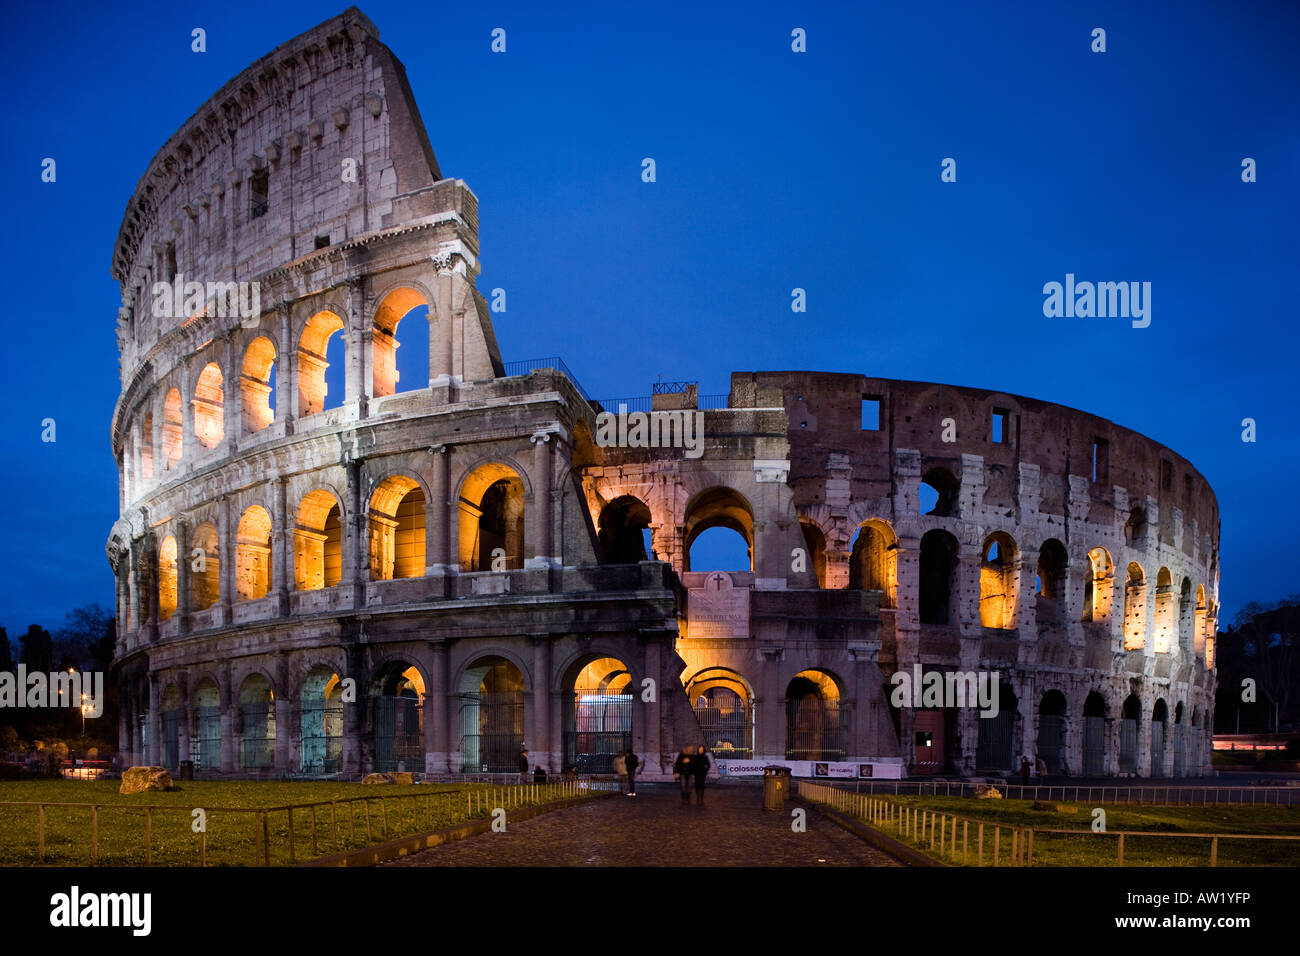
x: 692, y: 766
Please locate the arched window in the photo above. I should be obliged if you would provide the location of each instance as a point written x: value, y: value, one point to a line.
x: 172, y: 428
x: 492, y: 519
x: 815, y: 541
x: 205, y: 573
x: 257, y: 384
x: 167, y: 578
x: 253, y: 555
x: 1165, y: 620
x: 719, y: 508
x: 318, y: 543
x: 940, y: 493
x: 938, y: 578
x: 397, y: 529
x: 999, y: 579
x: 1098, y: 590
x: 1135, y: 609
x: 624, y: 526
x: 1052, y: 582
x: 208, y: 407
x: 313, y: 349
x: 873, y: 565
x: 410, y: 371
x: 146, y: 446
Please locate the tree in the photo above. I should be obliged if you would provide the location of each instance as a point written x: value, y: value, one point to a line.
x: 6, y: 652
x: 82, y: 632
x: 38, y: 649
x: 1270, y: 641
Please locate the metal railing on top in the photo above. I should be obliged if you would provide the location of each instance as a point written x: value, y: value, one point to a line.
x: 532, y: 365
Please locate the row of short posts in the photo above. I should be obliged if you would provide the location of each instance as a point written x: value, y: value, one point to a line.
x: 477, y: 803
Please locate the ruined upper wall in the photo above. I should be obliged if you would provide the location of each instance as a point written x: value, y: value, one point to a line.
x: 825, y: 416
x: 290, y: 120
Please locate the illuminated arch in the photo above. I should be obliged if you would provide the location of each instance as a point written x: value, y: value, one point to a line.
x: 718, y: 507
x: 256, y: 732
x: 814, y: 719
x: 1099, y: 589
x: 397, y: 529
x: 173, y: 429
x: 622, y: 525
x: 1166, y: 621
x: 874, y: 563
x: 167, y: 578
x: 318, y: 542
x: 999, y: 581
x: 1135, y: 608
x: 205, y: 578
x: 491, y: 518
x: 256, y: 384
x: 395, y: 307
x: 209, y: 407
x: 312, y: 362
x: 253, y: 555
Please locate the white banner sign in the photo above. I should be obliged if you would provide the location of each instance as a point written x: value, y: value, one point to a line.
x: 838, y: 769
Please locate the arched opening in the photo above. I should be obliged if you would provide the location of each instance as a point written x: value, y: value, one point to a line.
x: 598, y: 720
x: 146, y: 446
x: 205, y: 567
x: 399, y: 719
x: 321, y: 723
x: 938, y: 578
x: 1052, y: 726
x: 1130, y: 715
x: 1198, y: 626
x: 815, y: 541
x: 171, y: 727
x: 1165, y: 621
x: 814, y: 726
x: 397, y: 529
x: 873, y: 565
x: 723, y: 708
x: 1135, y: 528
x: 410, y: 371
x: 172, y: 429
x: 256, y: 731
x: 1159, y: 715
x: 1180, y: 741
x: 1052, y: 582
x: 257, y: 385
x: 314, y: 347
x: 624, y: 530
x: 996, y: 738
x: 209, y: 407
x: 492, y: 519
x: 1135, y: 609
x: 1099, y: 589
x: 719, y: 508
x: 207, y: 712
x: 491, y: 716
x: 318, y: 542
x: 253, y: 555
x: 939, y: 493
x: 999, y: 580
x: 167, y: 578
x: 1094, y: 735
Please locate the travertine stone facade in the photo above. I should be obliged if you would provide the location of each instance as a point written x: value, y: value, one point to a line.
x: 428, y: 579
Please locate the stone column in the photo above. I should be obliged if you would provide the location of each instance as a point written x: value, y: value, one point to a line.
x: 183, y: 723
x: 281, y: 546
x: 284, y: 730
x: 438, y: 553
x: 155, y: 721
x: 229, y: 745
x: 539, y: 734
x: 132, y: 589
x: 137, y: 730
x: 441, y: 359
x: 539, y: 528
x: 352, y: 712
x: 355, y: 567
x: 651, y: 712
x: 182, y: 575
x: 226, y: 558
x: 189, y: 444
x: 435, y: 726
x: 232, y: 398
x: 359, y: 384
x: 286, y: 375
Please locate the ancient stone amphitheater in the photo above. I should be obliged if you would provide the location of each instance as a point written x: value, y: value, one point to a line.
x: 329, y: 580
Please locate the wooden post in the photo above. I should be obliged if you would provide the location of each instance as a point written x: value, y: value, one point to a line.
x: 943, y: 831
x: 965, y: 841
x: 292, y: 854
x: 94, y: 835
x: 315, y: 848
x: 352, y: 821
x: 370, y: 836
x: 1120, y: 860
x: 1029, y: 860
x: 997, y: 844
x: 40, y: 833
x: 980, y: 847
x: 1214, y: 851
x: 148, y: 837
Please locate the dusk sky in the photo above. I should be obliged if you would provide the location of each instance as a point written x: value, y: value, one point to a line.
x: 775, y: 170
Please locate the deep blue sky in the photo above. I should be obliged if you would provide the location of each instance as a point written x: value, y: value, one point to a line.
x: 775, y: 170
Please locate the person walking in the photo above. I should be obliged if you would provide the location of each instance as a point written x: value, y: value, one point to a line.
x: 631, y: 761
x: 1024, y: 771
x: 683, y: 772
x: 523, y: 765
x: 1040, y: 768
x: 700, y: 770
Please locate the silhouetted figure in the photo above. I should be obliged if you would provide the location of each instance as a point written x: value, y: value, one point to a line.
x: 523, y: 766
x: 1024, y: 771
x: 539, y: 775
x: 700, y: 769
x: 683, y: 772
x: 631, y: 761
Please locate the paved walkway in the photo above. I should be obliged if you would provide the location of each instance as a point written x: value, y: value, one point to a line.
x: 655, y: 829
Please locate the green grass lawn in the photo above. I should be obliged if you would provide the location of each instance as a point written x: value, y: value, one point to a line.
x: 1085, y: 848
x: 233, y: 835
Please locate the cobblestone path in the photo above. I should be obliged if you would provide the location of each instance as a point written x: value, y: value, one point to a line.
x: 656, y: 829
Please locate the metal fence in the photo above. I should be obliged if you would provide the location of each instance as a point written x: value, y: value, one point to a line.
x: 524, y: 366
x: 1084, y: 793
x: 940, y: 834
x: 117, y: 835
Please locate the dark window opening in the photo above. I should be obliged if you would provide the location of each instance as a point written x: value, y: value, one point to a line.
x: 1100, y: 460
x: 1187, y: 489
x: 1166, y: 475
x: 322, y: 242
x: 258, y: 189
x: 871, y: 413
x: 1001, y: 420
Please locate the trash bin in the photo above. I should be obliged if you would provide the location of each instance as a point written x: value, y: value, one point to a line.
x: 187, y: 769
x: 776, y: 787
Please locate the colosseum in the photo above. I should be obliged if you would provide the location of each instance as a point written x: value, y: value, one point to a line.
x: 433, y: 575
